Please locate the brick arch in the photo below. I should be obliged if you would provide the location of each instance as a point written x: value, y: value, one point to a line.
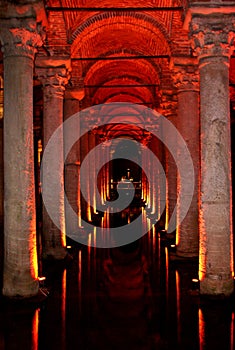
x: 122, y: 96
x: 125, y: 97
x: 151, y: 66
x: 138, y: 19
x: 104, y: 71
x: 142, y: 94
x: 111, y: 32
x: 122, y: 72
x: 145, y: 94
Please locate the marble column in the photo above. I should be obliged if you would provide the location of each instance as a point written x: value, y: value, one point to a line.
x: 20, y: 38
x: 146, y: 172
x: 85, y: 203
x: 72, y: 162
x: 156, y: 148
x: 53, y: 73
x: 92, y: 144
x: 212, y: 38
x: 185, y: 76
x: 144, y: 182
x: 168, y: 110
x: 1, y: 154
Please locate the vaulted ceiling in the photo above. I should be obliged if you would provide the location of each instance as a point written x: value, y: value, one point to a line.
x: 119, y: 50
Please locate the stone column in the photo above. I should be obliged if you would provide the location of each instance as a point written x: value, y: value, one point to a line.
x: 19, y: 38
x: 143, y: 176
x: 72, y: 162
x: 146, y: 172
x: 156, y: 148
x: 1, y: 154
x: 168, y: 110
x: 92, y: 144
x: 53, y: 73
x: 213, y: 36
x: 85, y: 204
x: 185, y: 76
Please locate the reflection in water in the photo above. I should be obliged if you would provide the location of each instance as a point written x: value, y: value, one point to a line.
x: 232, y: 332
x: 35, y: 323
x: 107, y: 298
x: 177, y: 281
x: 63, y: 310
x: 167, y: 273
x: 79, y: 280
x: 201, y: 323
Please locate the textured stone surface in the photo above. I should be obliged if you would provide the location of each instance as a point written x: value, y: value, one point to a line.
x: 186, y: 78
x: 72, y: 167
x: 212, y: 41
x: 20, y: 262
x: 54, y: 79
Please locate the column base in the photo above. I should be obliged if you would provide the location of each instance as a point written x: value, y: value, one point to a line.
x: 216, y: 287
x: 11, y: 290
x: 174, y: 256
x: 57, y: 253
x: 186, y: 254
x: 25, y: 301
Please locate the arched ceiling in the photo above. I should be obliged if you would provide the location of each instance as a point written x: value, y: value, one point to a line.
x: 120, y: 50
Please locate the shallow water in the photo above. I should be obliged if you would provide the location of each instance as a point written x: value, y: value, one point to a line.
x: 77, y: 315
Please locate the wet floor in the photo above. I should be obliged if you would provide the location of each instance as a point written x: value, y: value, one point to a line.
x: 80, y: 313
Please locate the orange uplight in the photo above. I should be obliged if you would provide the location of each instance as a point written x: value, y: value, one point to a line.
x: 167, y: 206
x: 33, y: 255
x: 63, y: 238
x: 88, y: 213
x: 89, y: 253
x: 94, y: 202
x: 35, y: 323
x: 154, y: 240
x: 202, y: 247
x: 177, y: 236
x: 154, y: 200
x: 179, y: 199
x: 167, y: 270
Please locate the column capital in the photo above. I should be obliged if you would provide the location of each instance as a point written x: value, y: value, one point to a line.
x: 213, y: 35
x: 168, y: 105
x: 22, y: 28
x: 54, y: 73
x: 185, y: 73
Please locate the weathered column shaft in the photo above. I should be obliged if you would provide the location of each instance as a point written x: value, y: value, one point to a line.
x: 20, y: 255
x: 185, y: 76
x: 54, y: 80
x: 171, y: 171
x: 92, y: 144
x: 85, y: 208
x: 213, y: 36
x: 1, y: 154
x: 72, y: 166
x: 156, y: 148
